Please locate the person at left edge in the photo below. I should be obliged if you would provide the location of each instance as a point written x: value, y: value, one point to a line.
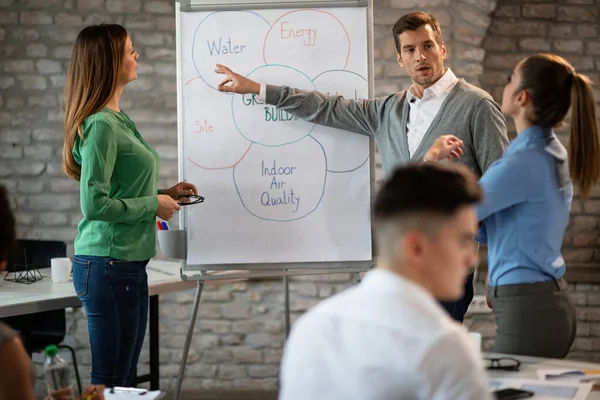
x: 17, y: 372
x: 119, y: 196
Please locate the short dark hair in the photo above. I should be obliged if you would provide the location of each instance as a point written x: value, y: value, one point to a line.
x: 413, y: 21
x: 420, y: 196
x: 7, y: 230
x: 438, y: 188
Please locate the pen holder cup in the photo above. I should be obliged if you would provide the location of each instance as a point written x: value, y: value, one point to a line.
x: 173, y: 243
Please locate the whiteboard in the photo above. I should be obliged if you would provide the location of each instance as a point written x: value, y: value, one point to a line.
x: 277, y: 189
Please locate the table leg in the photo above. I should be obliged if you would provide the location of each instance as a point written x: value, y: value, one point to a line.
x: 154, y: 376
x: 286, y: 299
x: 154, y: 344
x: 188, y: 339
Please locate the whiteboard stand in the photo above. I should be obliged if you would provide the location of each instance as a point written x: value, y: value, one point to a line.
x: 286, y: 307
x: 202, y: 273
x: 207, y: 277
x: 188, y: 339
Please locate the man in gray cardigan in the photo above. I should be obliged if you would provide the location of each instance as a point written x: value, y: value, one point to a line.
x: 404, y: 125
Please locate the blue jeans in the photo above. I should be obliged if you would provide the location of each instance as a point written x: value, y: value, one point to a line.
x: 114, y: 294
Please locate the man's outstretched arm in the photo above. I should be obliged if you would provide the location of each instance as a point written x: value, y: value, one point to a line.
x: 358, y: 116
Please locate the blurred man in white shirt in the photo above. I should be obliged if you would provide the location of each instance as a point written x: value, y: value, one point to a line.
x: 388, y: 337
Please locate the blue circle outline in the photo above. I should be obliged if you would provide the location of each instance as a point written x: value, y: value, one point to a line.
x: 263, y: 144
x: 293, y: 219
x: 198, y: 27
x: 364, y: 79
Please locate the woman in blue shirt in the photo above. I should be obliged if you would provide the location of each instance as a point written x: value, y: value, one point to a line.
x: 528, y: 195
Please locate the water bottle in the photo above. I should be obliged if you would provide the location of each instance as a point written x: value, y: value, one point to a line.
x: 56, y: 371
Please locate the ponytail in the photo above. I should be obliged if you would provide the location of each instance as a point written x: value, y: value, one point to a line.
x: 584, y: 143
x: 555, y: 87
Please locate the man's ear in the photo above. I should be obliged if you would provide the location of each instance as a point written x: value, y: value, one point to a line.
x: 399, y: 58
x: 413, y: 246
x: 444, y: 51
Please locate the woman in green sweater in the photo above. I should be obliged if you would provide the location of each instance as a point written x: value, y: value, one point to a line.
x: 118, y: 175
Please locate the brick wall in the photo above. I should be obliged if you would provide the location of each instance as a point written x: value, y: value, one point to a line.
x: 239, y: 334
x: 568, y: 28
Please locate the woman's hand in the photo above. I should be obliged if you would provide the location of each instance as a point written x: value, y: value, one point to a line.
x: 181, y: 189
x: 62, y: 394
x: 488, y: 299
x: 166, y: 207
x: 93, y: 392
x: 446, y: 146
x: 236, y: 83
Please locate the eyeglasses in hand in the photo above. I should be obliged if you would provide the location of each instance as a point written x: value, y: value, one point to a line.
x: 188, y: 200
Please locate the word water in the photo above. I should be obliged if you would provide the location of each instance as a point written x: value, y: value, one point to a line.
x: 224, y: 48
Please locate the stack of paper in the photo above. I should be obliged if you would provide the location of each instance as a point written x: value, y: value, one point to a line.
x: 545, y: 390
x: 119, y: 395
x: 570, y: 375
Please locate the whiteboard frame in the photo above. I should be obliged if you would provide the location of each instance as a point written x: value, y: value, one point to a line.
x: 267, y: 270
x: 227, y: 5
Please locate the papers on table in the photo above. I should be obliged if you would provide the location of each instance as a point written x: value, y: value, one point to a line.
x: 545, y: 390
x: 570, y: 375
x: 119, y: 395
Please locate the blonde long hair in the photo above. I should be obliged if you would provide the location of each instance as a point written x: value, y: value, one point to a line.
x: 91, y: 82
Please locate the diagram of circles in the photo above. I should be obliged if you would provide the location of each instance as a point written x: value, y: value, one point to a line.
x: 266, y: 124
x: 302, y: 39
x: 207, y: 132
x: 218, y: 39
x: 283, y: 183
x: 345, y: 151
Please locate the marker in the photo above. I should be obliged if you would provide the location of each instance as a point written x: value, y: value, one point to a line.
x: 165, y: 226
x: 159, y: 226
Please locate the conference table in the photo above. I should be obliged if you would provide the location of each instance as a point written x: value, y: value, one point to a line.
x: 164, y: 277
x: 45, y: 295
x: 530, y: 365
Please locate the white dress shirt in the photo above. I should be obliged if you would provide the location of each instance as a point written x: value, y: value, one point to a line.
x: 386, y: 338
x: 262, y: 93
x: 424, y: 110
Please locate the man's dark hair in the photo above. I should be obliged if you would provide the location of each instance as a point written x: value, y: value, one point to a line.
x: 421, y: 196
x: 7, y: 223
x: 412, y: 22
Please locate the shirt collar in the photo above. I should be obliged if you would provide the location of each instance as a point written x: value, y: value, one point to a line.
x: 442, y: 86
x: 386, y: 281
x: 534, y: 136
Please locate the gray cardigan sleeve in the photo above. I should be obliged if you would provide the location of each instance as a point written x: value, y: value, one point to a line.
x: 358, y: 116
x: 488, y: 127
